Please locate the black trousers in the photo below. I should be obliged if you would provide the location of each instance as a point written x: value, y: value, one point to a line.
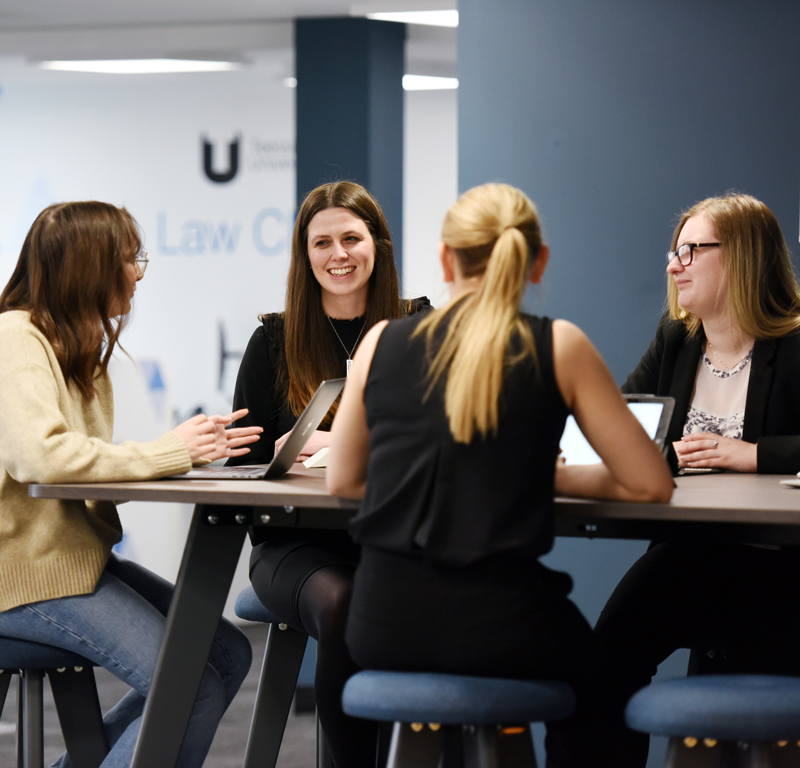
x: 737, y: 606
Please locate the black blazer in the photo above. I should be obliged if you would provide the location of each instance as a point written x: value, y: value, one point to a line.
x: 772, y: 410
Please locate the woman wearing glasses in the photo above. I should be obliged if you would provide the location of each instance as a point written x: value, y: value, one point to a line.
x: 342, y: 280
x: 729, y: 350
x: 729, y: 353
x: 61, y: 315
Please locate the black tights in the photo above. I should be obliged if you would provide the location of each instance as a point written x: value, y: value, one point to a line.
x: 323, y: 604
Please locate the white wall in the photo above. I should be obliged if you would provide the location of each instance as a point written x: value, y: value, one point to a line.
x: 430, y: 185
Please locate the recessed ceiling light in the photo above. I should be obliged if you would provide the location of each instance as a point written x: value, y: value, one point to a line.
x: 434, y: 18
x: 427, y: 83
x: 140, y: 66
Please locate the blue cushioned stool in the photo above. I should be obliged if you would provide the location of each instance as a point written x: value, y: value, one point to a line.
x: 283, y: 657
x: 479, y: 721
x: 75, y: 695
x: 722, y: 720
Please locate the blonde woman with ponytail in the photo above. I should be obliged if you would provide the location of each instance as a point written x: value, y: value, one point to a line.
x: 448, y: 431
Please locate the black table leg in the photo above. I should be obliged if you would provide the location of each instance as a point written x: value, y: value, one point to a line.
x: 204, y: 580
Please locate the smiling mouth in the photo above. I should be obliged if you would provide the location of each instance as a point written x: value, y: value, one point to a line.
x: 341, y: 272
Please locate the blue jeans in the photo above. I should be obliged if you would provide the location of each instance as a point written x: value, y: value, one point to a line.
x: 119, y: 626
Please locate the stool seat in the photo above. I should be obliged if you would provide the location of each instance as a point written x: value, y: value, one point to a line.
x: 250, y: 608
x: 27, y: 654
x: 74, y: 693
x: 454, y: 699
x: 749, y: 708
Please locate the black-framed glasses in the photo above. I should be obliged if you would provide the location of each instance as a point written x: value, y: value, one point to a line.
x: 685, y: 253
x: 141, y: 260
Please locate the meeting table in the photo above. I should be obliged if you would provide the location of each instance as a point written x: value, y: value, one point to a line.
x: 715, y: 507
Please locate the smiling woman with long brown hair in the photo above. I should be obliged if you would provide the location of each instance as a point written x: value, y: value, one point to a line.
x: 60, y: 319
x: 342, y: 281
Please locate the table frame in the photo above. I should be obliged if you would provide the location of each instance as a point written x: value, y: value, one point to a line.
x: 749, y: 508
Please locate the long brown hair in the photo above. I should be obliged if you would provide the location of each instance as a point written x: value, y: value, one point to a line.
x: 70, y: 276
x: 310, y: 358
x: 493, y: 231
x: 763, y: 294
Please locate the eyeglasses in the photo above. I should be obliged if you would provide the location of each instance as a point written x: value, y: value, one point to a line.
x: 685, y: 253
x: 141, y: 261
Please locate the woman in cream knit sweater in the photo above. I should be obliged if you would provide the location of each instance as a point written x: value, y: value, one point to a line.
x: 60, y: 317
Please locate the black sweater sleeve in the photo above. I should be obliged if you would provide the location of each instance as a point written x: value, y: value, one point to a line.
x: 257, y: 385
x: 256, y: 389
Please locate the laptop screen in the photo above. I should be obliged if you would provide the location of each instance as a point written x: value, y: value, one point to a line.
x: 653, y: 414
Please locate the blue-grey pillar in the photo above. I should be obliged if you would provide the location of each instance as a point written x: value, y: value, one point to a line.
x: 350, y: 109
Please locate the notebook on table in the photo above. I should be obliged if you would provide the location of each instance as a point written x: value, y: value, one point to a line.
x: 793, y: 482
x: 309, y: 420
x: 654, y: 414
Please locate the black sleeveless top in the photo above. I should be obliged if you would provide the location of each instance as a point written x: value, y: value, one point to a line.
x: 450, y: 503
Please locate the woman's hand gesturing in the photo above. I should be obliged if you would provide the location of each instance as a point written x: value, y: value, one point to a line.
x: 206, y: 437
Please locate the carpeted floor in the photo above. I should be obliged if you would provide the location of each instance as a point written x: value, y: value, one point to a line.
x: 297, y: 751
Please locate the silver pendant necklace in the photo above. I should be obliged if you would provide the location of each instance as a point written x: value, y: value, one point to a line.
x: 349, y: 354
x: 725, y: 366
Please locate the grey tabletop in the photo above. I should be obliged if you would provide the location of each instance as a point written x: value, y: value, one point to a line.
x: 701, y: 498
x: 299, y: 487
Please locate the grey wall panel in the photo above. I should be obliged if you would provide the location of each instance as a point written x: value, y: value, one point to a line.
x: 614, y: 117
x: 350, y: 109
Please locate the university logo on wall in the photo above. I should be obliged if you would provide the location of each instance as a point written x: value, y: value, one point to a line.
x: 222, y: 161
x: 229, y: 173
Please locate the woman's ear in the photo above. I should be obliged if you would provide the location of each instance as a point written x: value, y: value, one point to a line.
x: 447, y: 257
x: 539, y: 266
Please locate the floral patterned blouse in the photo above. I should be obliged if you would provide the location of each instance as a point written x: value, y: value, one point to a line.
x: 719, y: 398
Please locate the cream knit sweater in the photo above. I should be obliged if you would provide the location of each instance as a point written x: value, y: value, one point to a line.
x: 48, y: 434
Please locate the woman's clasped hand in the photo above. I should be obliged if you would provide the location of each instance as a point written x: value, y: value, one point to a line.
x: 702, y: 450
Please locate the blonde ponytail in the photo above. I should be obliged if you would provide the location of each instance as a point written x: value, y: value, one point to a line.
x: 494, y: 231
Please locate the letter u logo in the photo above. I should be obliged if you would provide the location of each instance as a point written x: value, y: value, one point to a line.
x: 233, y: 161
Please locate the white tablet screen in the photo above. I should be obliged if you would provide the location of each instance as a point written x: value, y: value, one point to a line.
x: 575, y: 448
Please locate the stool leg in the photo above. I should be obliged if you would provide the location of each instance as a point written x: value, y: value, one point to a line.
x: 80, y: 716
x: 480, y: 747
x: 282, y: 659
x: 32, y: 722
x: 515, y: 747
x: 5, y: 681
x: 412, y: 749
x: 759, y: 755
x: 489, y: 746
x: 20, y: 722
x: 384, y: 743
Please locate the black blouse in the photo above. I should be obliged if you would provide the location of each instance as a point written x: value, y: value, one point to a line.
x: 257, y: 384
x: 450, y: 503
